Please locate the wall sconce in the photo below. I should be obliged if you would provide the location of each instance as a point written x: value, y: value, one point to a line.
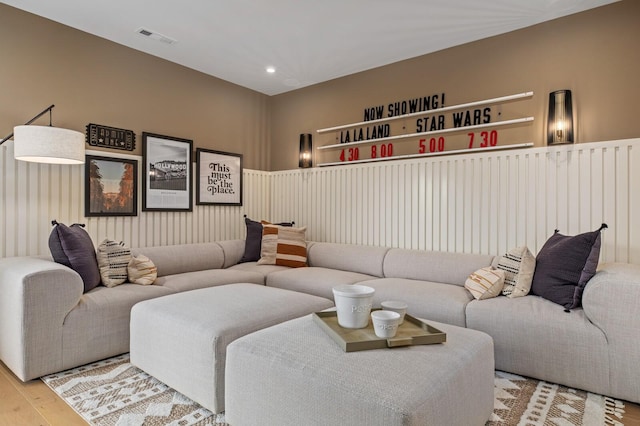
x: 306, y: 149
x: 560, y: 122
x: 47, y: 144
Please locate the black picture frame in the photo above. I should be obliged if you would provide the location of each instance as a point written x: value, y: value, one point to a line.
x: 167, y: 173
x: 218, y: 178
x: 111, y: 186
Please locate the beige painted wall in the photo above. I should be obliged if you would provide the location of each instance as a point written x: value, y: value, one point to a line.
x: 594, y: 53
x: 92, y: 80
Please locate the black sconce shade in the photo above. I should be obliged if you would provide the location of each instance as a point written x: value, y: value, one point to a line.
x: 560, y: 123
x: 306, y: 148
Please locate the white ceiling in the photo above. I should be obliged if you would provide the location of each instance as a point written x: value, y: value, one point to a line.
x: 307, y: 41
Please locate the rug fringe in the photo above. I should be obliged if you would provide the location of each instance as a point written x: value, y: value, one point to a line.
x: 613, y: 407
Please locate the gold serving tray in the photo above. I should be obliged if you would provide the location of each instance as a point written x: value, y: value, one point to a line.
x: 411, y: 332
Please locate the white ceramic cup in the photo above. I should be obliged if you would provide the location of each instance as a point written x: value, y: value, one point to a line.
x: 395, y: 306
x: 353, y: 304
x: 385, y: 323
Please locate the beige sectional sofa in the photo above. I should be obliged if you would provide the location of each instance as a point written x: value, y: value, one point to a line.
x: 47, y: 324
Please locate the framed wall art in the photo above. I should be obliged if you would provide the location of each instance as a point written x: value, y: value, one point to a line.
x: 167, y: 169
x: 111, y: 186
x: 110, y: 137
x: 218, y: 178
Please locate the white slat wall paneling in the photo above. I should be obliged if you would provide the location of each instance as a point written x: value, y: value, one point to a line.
x: 31, y: 195
x: 484, y: 202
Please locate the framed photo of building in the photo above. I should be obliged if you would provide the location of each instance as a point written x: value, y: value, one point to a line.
x: 111, y: 186
x: 218, y: 178
x: 167, y: 168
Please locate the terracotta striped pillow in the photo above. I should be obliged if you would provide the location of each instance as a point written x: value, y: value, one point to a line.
x: 285, y: 246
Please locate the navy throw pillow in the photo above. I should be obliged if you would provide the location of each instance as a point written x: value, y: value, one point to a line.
x: 253, y: 242
x: 564, y: 265
x: 72, y: 247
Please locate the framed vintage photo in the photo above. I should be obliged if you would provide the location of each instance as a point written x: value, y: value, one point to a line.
x: 111, y: 186
x: 219, y: 178
x: 167, y: 165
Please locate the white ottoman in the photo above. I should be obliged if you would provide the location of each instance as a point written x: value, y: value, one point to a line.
x: 294, y: 374
x: 181, y: 339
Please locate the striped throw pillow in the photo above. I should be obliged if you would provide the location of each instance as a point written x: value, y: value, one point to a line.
x: 285, y: 246
x: 518, y: 265
x: 485, y: 283
x: 113, y: 258
x: 141, y: 270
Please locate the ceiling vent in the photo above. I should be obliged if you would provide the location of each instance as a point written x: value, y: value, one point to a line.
x: 155, y: 36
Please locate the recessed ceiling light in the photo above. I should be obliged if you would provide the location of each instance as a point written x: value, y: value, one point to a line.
x: 271, y: 70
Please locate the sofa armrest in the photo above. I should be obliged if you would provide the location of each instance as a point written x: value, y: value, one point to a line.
x: 611, y: 301
x: 35, y: 297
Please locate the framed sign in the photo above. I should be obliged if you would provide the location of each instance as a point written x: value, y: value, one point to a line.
x: 166, y: 184
x: 110, y: 137
x: 111, y: 186
x: 387, y: 133
x: 218, y: 178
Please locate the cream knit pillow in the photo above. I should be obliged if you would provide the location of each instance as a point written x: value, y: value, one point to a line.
x: 518, y: 265
x: 113, y: 258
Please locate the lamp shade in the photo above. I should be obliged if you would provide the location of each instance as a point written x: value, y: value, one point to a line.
x: 560, y: 122
x: 306, y: 149
x: 47, y: 144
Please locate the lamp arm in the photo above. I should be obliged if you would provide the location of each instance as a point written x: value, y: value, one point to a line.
x: 6, y: 138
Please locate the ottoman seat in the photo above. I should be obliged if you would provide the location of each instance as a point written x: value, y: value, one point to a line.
x: 181, y: 339
x: 294, y: 374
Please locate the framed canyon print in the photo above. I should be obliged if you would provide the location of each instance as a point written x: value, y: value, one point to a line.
x: 111, y: 186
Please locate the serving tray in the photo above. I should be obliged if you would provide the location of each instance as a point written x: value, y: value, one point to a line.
x: 412, y: 331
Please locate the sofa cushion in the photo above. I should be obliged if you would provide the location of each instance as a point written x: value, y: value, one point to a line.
x: 518, y: 265
x: 435, y: 266
x: 485, y: 283
x: 284, y: 246
x: 425, y: 299
x: 210, y: 278
x: 98, y: 326
x: 348, y: 257
x: 179, y: 258
x: 314, y: 280
x: 564, y: 265
x: 263, y: 270
x: 141, y: 270
x: 534, y: 338
x: 113, y: 259
x: 72, y: 247
x: 233, y: 251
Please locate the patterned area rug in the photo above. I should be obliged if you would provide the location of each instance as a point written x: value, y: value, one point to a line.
x: 115, y: 393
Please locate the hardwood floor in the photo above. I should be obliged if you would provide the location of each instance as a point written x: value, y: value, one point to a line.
x: 632, y: 414
x: 34, y: 404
